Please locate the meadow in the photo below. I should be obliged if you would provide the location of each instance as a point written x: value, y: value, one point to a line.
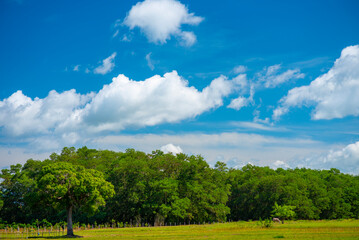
x: 323, y: 229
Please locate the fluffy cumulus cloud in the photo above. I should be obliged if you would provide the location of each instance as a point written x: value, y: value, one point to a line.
x: 271, y: 77
x: 156, y: 100
x: 345, y: 159
x: 241, y: 102
x: 334, y: 94
x: 238, y: 103
x: 159, y: 20
x: 242, y: 83
x: 107, y: 65
x: 170, y: 148
x: 243, y: 87
x: 118, y: 105
x: 21, y: 115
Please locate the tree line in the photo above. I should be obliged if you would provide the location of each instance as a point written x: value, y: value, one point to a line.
x: 100, y: 186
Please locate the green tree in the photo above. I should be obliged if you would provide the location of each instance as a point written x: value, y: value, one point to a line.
x: 283, y: 212
x: 206, y: 188
x: 15, y: 188
x: 69, y: 186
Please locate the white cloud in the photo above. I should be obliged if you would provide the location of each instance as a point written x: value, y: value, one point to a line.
x: 170, y: 148
x: 242, y: 86
x: 334, y: 94
x: 149, y: 61
x: 167, y: 99
x: 117, y: 23
x: 126, y: 38
x: 118, y: 105
x: 188, y: 38
x: 345, y: 159
x: 241, y: 83
x: 161, y: 19
x: 20, y: 115
x: 116, y: 33
x: 76, y: 68
x: 238, y: 103
x: 264, y: 126
x: 280, y: 164
x: 107, y: 65
x: 241, y: 102
x: 257, y: 119
x: 271, y: 78
x: 279, y: 111
x: 240, y: 69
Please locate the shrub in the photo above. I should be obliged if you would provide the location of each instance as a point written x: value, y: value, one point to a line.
x: 267, y: 223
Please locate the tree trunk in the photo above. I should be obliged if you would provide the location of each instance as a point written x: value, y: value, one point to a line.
x: 70, y: 230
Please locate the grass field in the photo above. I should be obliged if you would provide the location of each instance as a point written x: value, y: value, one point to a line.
x: 335, y: 229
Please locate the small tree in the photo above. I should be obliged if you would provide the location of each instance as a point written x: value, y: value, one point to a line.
x: 68, y: 186
x: 283, y: 212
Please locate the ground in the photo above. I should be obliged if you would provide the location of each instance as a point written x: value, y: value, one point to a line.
x: 334, y: 229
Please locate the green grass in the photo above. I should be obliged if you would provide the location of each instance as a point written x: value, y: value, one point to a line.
x: 344, y: 229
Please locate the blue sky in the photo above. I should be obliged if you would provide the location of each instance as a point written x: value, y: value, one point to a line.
x: 271, y: 83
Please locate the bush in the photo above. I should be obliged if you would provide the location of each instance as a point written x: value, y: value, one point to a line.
x: 45, y: 223
x: 83, y: 226
x: 267, y: 223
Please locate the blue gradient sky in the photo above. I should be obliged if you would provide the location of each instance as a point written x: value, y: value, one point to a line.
x: 272, y: 46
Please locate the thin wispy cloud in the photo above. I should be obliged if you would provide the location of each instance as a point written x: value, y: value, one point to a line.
x: 149, y: 61
x: 270, y: 77
x: 116, y: 33
x: 239, y: 69
x: 231, y: 147
x: 107, y: 65
x: 76, y: 68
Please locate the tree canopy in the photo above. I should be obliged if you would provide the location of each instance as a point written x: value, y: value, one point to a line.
x: 158, y: 188
x: 67, y: 186
x: 283, y: 212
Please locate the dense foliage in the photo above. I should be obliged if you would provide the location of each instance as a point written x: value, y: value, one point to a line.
x: 157, y: 188
x: 67, y: 186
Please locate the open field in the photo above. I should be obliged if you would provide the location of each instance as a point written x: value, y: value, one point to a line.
x: 335, y: 229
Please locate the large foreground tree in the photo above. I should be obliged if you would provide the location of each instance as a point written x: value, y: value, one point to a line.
x: 67, y: 186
